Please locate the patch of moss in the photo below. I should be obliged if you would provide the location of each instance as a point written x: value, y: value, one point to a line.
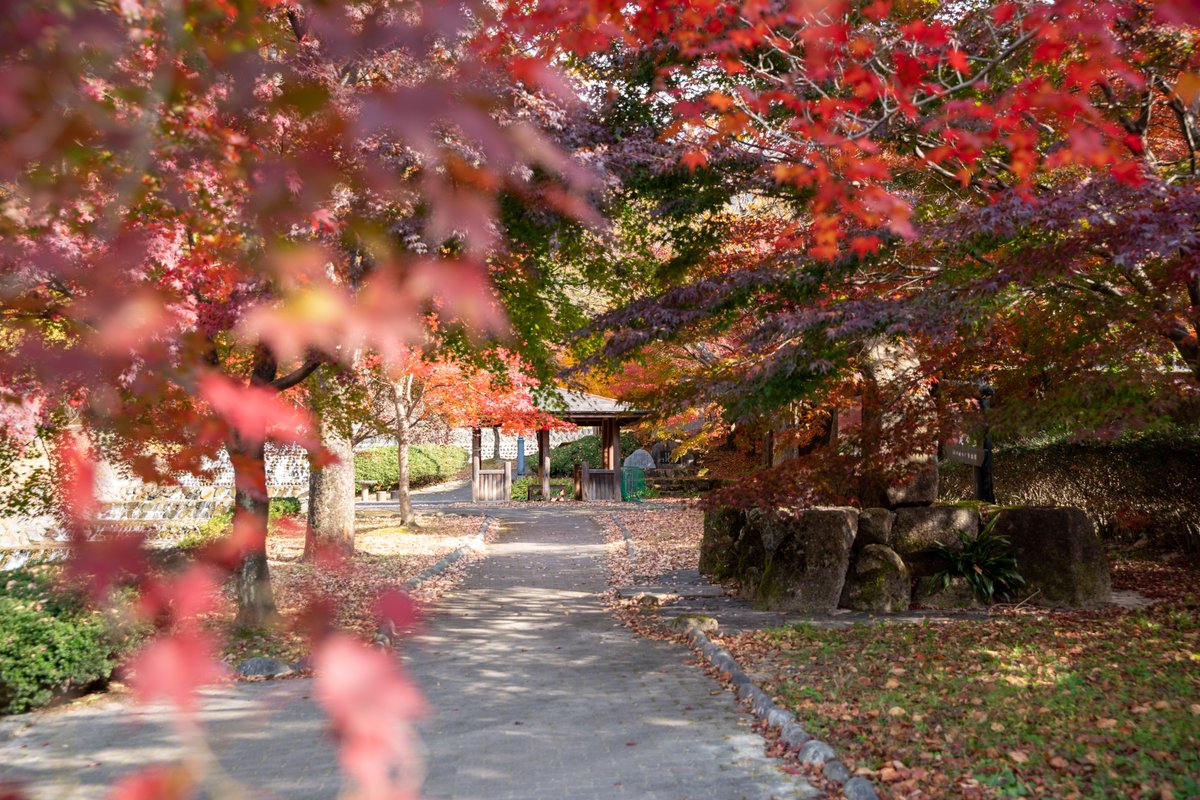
x: 769, y: 587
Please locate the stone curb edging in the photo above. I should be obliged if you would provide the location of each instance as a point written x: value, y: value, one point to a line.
x: 628, y: 540
x: 441, y: 565
x: 811, y: 751
x: 385, y: 637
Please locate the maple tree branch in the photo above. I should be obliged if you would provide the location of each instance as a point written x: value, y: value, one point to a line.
x: 297, y: 375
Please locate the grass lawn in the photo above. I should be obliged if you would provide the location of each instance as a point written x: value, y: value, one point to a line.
x: 1093, y: 704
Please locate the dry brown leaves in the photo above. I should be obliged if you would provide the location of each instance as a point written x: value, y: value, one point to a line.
x: 664, y: 540
x: 311, y: 595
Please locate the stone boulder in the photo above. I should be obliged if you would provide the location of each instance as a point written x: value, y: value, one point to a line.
x: 640, y: 458
x: 723, y: 528
x: 1059, y: 555
x: 957, y: 595
x: 263, y: 667
x: 762, y: 534
x: 917, y: 529
x: 878, y: 582
x: 874, y: 527
x: 807, y: 558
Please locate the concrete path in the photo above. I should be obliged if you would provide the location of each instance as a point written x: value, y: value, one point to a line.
x: 455, y: 491
x: 538, y: 695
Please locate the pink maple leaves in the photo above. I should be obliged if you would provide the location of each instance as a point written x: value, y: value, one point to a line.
x: 370, y: 702
x: 255, y: 412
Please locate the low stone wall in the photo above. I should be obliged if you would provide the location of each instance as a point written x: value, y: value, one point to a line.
x: 876, y: 560
x: 1148, y: 486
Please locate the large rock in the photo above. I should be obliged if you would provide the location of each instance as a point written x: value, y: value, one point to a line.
x: 640, y: 458
x: 807, y: 558
x: 957, y: 594
x: 1058, y: 554
x: 874, y: 527
x: 723, y: 527
x: 878, y: 581
x: 917, y: 529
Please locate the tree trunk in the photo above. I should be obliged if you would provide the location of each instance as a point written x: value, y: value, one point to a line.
x: 256, y: 604
x: 331, y: 499
x: 402, y: 399
x: 406, y: 510
x: 496, y: 443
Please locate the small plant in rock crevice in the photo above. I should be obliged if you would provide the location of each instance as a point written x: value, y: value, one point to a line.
x: 987, y: 561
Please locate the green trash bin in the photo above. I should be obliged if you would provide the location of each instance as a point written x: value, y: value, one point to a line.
x: 633, y: 484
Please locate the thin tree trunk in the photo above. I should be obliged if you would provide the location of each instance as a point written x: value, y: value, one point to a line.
x: 402, y: 398
x: 256, y: 603
x: 331, y: 499
x: 496, y: 443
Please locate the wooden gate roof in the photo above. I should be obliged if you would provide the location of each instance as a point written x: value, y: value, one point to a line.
x: 583, y: 408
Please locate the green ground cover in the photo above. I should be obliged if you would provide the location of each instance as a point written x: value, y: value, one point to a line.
x: 1089, y: 704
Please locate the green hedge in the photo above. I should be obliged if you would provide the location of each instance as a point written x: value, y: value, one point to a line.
x: 51, y: 644
x: 1144, y: 485
x: 427, y: 464
x: 520, y: 486
x: 220, y: 524
x: 583, y: 450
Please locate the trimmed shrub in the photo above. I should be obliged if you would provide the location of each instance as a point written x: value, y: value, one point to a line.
x: 585, y: 449
x: 283, y: 507
x: 427, y: 464
x: 520, y: 486
x: 51, y: 644
x: 1143, y: 485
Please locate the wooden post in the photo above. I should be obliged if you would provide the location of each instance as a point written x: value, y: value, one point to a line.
x: 614, y: 455
x: 507, y: 480
x: 605, y: 443
x: 476, y: 462
x: 544, y: 462
x: 583, y: 481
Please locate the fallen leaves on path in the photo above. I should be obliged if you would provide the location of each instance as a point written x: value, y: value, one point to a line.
x: 664, y: 540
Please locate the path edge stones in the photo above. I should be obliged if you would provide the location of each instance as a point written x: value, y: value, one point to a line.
x: 443, y: 563
x: 809, y: 750
x: 628, y: 539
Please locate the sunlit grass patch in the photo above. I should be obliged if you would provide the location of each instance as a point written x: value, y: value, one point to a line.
x: 1087, y: 704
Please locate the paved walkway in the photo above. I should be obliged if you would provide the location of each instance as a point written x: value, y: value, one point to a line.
x: 538, y: 694
x: 455, y: 491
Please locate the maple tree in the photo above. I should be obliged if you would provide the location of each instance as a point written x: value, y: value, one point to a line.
x: 1006, y: 188
x: 423, y: 386
x: 202, y: 206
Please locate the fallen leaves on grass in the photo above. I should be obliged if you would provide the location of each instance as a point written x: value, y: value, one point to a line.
x: 1081, y: 704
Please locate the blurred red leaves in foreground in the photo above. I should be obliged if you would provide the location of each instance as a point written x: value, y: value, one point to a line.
x: 365, y: 691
